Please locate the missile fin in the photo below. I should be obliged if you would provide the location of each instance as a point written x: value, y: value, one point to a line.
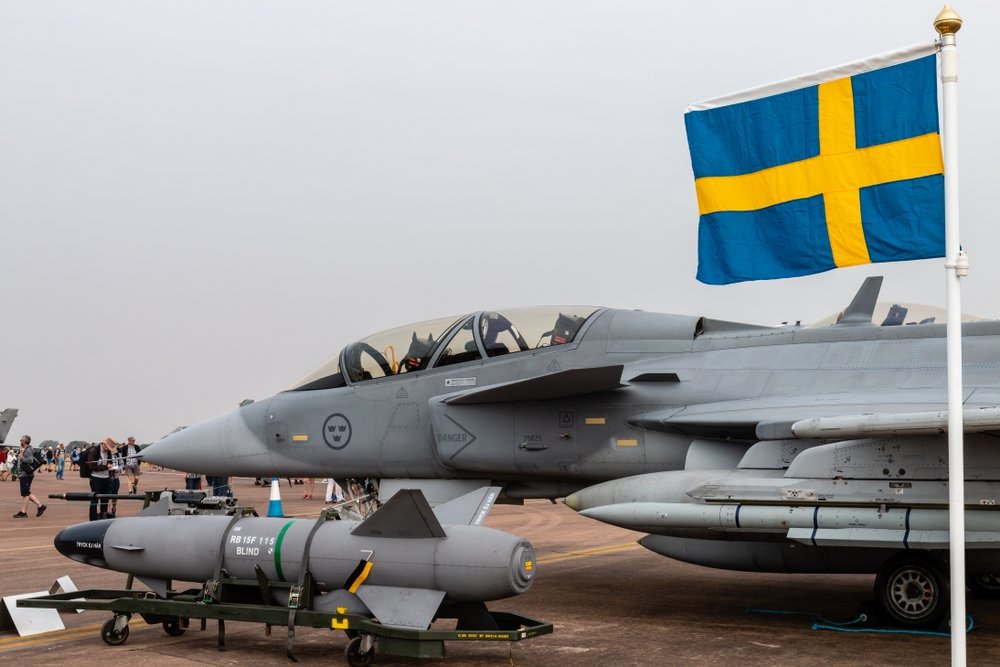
x: 406, y: 515
x: 158, y: 586
x: 402, y: 607
x: 160, y: 508
x: 470, y: 509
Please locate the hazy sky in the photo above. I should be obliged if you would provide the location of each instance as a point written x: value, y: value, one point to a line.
x: 201, y: 201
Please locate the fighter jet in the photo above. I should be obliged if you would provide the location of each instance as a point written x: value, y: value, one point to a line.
x: 6, y: 421
x: 548, y: 401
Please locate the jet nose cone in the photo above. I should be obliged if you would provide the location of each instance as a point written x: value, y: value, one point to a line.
x: 196, y: 448
x: 230, y: 444
x: 84, y: 542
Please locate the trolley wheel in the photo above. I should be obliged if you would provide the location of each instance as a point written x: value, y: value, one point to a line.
x: 110, y: 636
x: 173, y: 627
x: 356, y: 657
x: 912, y: 589
x: 985, y: 585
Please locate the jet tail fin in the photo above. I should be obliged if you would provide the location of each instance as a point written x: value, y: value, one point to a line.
x: 6, y: 421
x: 863, y: 305
x: 406, y: 515
x: 470, y: 509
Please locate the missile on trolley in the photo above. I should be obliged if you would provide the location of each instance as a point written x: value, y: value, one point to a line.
x: 400, y: 566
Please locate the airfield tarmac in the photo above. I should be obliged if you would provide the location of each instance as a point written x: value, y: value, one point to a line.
x: 611, y: 601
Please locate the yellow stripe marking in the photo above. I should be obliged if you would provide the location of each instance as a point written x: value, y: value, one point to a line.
x: 838, y: 173
x: 361, y: 577
x: 628, y: 442
x: 300, y: 437
x: 595, y: 421
x: 585, y: 553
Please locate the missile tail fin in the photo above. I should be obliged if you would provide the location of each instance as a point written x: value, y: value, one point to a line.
x: 160, y: 508
x: 402, y: 607
x: 158, y: 586
x: 406, y: 515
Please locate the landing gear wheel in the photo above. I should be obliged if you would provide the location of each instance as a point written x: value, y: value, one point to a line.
x: 112, y: 637
x: 912, y: 589
x: 174, y: 628
x: 356, y: 655
x: 985, y: 585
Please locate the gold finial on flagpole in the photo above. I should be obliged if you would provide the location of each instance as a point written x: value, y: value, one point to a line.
x: 948, y: 22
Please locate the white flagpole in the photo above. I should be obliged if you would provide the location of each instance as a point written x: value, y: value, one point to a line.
x: 956, y: 265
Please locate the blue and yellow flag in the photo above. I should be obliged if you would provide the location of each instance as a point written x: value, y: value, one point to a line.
x: 834, y: 169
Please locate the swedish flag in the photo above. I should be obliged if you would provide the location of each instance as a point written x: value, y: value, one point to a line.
x: 840, y: 172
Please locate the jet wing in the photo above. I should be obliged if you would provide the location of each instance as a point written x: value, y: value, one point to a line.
x: 562, y: 384
x: 824, y: 416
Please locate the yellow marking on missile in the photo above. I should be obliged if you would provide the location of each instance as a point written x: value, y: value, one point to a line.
x: 361, y: 578
x: 300, y: 437
x: 595, y: 421
x: 585, y: 553
x: 628, y: 442
x: 527, y: 565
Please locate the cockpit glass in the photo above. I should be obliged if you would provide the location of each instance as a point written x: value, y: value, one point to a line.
x: 410, y: 348
x: 403, y: 350
x: 397, y: 351
x: 461, y: 347
x: 520, y: 329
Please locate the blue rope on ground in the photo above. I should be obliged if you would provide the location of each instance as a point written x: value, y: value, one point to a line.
x: 860, y: 619
x: 894, y: 631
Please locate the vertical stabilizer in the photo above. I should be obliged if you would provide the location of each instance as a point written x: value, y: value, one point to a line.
x: 863, y: 305
x: 6, y: 421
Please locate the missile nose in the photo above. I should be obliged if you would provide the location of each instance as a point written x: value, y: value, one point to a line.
x: 84, y: 542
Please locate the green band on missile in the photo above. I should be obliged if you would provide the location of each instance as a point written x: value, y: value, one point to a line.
x: 277, y: 550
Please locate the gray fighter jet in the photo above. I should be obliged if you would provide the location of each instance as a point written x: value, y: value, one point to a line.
x: 6, y: 421
x: 548, y: 401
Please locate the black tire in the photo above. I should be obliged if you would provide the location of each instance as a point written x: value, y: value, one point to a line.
x: 173, y: 627
x: 355, y: 658
x: 912, y: 589
x: 110, y: 637
x: 985, y: 585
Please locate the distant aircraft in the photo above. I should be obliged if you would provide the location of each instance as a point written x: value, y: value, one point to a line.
x: 6, y: 421
x: 548, y: 401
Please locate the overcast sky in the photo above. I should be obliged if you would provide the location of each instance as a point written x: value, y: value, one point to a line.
x: 202, y: 201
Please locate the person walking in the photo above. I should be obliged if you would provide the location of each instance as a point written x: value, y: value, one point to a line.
x: 26, y: 465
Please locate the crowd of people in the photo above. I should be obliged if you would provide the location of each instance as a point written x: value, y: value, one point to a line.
x: 107, y: 463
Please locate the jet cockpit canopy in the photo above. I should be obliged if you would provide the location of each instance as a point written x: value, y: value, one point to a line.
x: 448, y: 340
